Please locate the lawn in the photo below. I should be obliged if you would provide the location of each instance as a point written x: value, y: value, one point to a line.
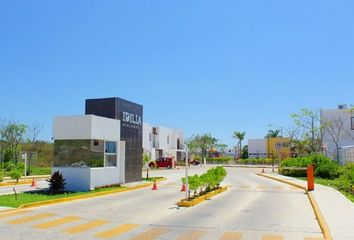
x: 31, y: 197
x: 335, y: 183
x: 23, y: 198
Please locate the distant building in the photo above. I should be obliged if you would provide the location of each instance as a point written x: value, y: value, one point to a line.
x: 339, y: 125
x: 269, y: 147
x: 163, y: 142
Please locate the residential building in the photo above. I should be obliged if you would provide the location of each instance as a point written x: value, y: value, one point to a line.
x: 269, y: 147
x: 338, y: 139
x: 163, y: 142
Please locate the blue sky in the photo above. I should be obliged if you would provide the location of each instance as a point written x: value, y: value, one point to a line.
x: 202, y: 66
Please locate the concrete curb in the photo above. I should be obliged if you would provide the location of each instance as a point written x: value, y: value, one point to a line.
x: 7, y: 184
x: 197, y: 200
x: 80, y: 197
x: 320, y: 219
x: 249, y: 166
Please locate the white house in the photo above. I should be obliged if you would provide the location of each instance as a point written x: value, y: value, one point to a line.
x: 88, y: 151
x: 163, y: 142
x: 257, y: 148
x: 339, y: 125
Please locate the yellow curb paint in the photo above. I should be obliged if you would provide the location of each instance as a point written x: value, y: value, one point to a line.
x: 117, y: 231
x: 31, y: 218
x: 57, y: 222
x: 197, y: 200
x: 151, y: 234
x: 5, y: 184
x: 86, y: 226
x: 191, y: 235
x: 320, y: 219
x: 81, y: 197
x: 272, y: 237
x: 231, y: 236
x: 283, y: 181
x: 13, y: 213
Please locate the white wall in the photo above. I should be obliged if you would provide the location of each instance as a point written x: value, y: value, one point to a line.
x: 86, y: 127
x: 257, y: 146
x: 103, y: 176
x: 332, y: 116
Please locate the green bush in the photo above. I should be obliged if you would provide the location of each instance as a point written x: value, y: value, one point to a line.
x: 8, y: 166
x: 56, y: 183
x: 1, y: 176
x: 16, y: 174
x: 207, y: 181
x: 346, y: 178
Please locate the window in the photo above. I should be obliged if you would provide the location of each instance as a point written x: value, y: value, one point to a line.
x: 95, y: 142
x: 111, y: 147
x: 352, y: 122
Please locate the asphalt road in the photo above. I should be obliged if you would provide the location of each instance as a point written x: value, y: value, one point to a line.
x: 253, y: 208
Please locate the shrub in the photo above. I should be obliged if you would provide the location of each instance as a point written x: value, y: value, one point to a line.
x: 1, y: 176
x: 16, y: 174
x: 8, y: 166
x: 346, y: 179
x: 56, y: 183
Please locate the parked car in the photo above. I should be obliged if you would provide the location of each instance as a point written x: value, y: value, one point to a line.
x: 194, y: 162
x: 167, y: 162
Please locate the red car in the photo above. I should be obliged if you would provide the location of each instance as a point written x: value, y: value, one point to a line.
x: 167, y: 162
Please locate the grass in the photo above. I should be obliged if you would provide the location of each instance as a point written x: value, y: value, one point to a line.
x: 41, y: 170
x: 23, y: 198
x: 31, y: 197
x: 331, y: 183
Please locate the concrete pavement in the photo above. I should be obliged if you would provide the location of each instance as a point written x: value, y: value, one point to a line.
x: 254, y: 208
x: 41, y: 184
x: 337, y: 210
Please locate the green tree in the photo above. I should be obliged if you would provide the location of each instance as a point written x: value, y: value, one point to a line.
x: 311, y: 129
x: 239, y: 136
x: 273, y: 133
x: 245, y: 152
x: 201, y: 144
x: 13, y: 135
x: 146, y: 160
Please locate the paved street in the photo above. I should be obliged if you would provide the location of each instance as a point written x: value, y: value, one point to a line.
x: 253, y: 208
x: 41, y: 184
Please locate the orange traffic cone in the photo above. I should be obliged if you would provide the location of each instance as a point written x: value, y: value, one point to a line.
x: 154, y: 187
x: 183, y: 187
x: 262, y: 170
x: 34, y: 184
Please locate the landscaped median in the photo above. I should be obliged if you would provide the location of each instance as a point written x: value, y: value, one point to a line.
x: 199, y: 199
x: 34, y: 199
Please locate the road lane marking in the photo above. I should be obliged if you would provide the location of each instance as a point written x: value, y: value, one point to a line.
x: 10, y: 214
x: 57, y: 222
x: 31, y: 218
x: 261, y: 187
x: 245, y: 186
x: 86, y: 226
x: 312, y: 238
x: 191, y: 235
x: 151, y: 234
x: 278, y: 187
x: 272, y: 237
x: 117, y: 230
x: 231, y: 236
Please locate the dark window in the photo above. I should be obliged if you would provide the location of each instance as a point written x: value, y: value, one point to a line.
x: 352, y: 122
x: 154, y: 130
x: 95, y: 142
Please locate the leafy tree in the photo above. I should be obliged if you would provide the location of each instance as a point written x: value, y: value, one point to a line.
x: 239, y: 136
x: 16, y: 174
x: 13, y: 135
x: 311, y: 129
x: 146, y: 160
x: 201, y: 144
x: 273, y: 133
x: 56, y: 183
x: 245, y: 152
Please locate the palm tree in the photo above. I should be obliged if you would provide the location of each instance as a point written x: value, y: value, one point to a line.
x: 273, y: 133
x: 240, y: 136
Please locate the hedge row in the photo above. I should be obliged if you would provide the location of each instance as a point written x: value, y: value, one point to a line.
x: 207, y: 181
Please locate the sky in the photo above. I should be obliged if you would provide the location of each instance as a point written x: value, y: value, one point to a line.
x: 201, y: 66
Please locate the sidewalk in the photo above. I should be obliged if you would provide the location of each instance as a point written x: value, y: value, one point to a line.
x: 337, y: 210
